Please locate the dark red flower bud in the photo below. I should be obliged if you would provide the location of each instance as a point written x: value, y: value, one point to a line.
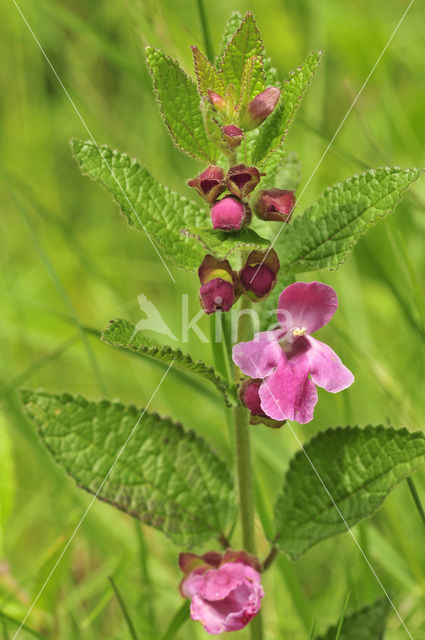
x: 219, y: 285
x: 241, y: 180
x: 210, y: 183
x: 262, y: 106
x: 258, y: 276
x: 232, y: 135
x: 230, y: 214
x: 250, y: 398
x: 275, y: 205
x: 217, y: 101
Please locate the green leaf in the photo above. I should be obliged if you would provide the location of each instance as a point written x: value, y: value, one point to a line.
x: 273, y: 131
x: 206, y: 74
x: 147, y: 204
x: 359, y: 467
x: 179, y: 103
x: 324, y: 235
x: 365, y: 624
x: 7, y: 476
x: 123, y: 334
x: 280, y: 171
x: 245, y: 44
x: 165, y: 476
x: 250, y: 86
x: 232, y: 25
x: 222, y: 243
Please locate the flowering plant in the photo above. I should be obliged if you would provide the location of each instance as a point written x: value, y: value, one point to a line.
x: 240, y: 235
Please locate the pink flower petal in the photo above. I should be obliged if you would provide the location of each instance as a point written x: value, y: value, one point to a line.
x: 306, y: 304
x: 289, y: 394
x: 326, y: 368
x: 260, y: 356
x: 206, y: 614
x: 218, y: 583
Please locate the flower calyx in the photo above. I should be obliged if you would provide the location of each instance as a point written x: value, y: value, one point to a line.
x: 275, y: 205
x: 259, y: 274
x: 210, y: 183
x: 219, y: 285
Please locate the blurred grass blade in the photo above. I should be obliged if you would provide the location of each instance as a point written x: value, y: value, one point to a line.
x: 124, y: 609
x: 24, y: 627
x: 3, y: 627
x: 416, y: 499
x: 178, y: 620
x: 205, y: 31
x: 57, y: 282
x: 148, y: 587
x: 341, y: 621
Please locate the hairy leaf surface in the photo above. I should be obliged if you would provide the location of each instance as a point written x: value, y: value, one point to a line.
x: 359, y: 467
x: 365, y: 624
x: 324, y: 235
x: 166, y: 477
x: 180, y: 105
x: 123, y: 334
x: 275, y: 128
x: 223, y: 243
x: 147, y: 204
x: 245, y: 44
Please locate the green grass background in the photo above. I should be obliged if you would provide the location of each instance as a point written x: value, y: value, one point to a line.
x: 69, y: 261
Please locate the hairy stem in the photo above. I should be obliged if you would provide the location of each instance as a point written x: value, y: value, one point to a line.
x: 243, y: 465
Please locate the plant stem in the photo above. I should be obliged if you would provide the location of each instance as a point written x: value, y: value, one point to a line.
x: 274, y: 552
x: 244, y: 468
x: 205, y: 30
x: 416, y: 499
x: 217, y: 347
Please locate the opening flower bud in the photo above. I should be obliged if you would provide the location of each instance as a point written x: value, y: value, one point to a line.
x: 217, y: 101
x: 262, y: 106
x: 219, y: 285
x: 241, y: 180
x: 275, y: 205
x: 230, y: 214
x: 258, y: 276
x: 250, y: 398
x: 232, y: 135
x: 216, y: 295
x: 210, y: 183
x: 224, y: 588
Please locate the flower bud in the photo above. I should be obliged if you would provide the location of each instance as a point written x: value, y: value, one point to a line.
x: 262, y: 106
x: 230, y: 214
x: 250, y: 398
x: 217, y: 101
x: 225, y: 589
x: 275, y: 205
x: 258, y: 275
x: 210, y: 183
x: 241, y: 180
x: 232, y: 135
x: 219, y: 285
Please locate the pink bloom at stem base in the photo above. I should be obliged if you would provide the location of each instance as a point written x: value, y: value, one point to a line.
x: 225, y: 589
x: 289, y: 361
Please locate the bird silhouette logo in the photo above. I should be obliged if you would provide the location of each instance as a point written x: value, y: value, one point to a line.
x: 153, y: 321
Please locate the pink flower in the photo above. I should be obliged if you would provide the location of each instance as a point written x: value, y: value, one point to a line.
x: 224, y: 589
x: 289, y: 360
